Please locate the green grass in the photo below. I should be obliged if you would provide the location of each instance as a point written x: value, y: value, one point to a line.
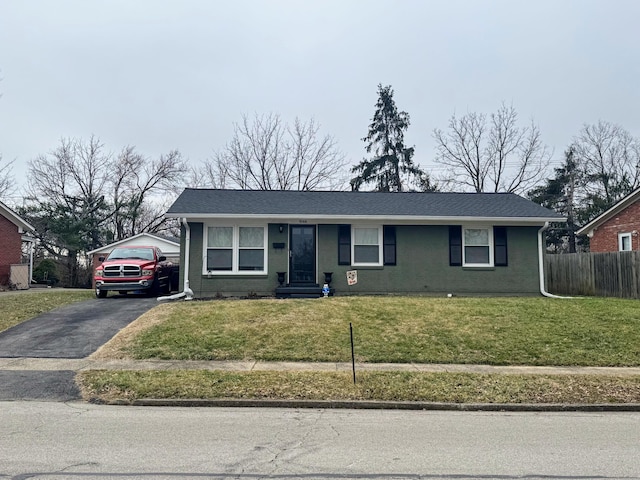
x: 494, y: 331
x: 16, y: 307
x: 386, y: 386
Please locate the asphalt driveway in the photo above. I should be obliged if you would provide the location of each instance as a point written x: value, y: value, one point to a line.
x: 73, y: 331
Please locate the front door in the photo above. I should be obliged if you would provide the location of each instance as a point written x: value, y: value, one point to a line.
x: 302, y: 255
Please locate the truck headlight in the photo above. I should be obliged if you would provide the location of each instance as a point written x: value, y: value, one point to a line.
x: 147, y: 272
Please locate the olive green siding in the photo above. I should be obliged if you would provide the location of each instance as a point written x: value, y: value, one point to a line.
x: 235, y: 285
x: 422, y: 266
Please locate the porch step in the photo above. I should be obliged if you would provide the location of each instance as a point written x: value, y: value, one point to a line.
x: 302, y: 291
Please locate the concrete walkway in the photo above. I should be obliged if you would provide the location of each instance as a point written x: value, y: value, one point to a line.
x: 78, y: 365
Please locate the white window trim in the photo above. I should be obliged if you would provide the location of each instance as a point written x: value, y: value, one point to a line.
x: 235, y: 249
x: 621, y: 236
x: 379, y: 263
x: 491, y: 246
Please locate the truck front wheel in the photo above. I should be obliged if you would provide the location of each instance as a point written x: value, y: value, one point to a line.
x: 101, y: 293
x: 154, y: 289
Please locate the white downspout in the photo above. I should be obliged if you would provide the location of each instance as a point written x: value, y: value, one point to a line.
x: 543, y: 291
x: 186, y: 292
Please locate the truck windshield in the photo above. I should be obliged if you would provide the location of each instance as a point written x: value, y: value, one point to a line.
x: 131, y: 253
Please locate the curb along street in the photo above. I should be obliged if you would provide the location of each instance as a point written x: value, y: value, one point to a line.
x: 385, y: 405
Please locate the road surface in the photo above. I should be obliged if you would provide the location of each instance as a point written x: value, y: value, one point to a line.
x: 44, y: 441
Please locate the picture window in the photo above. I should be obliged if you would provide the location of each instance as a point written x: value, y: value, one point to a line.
x: 235, y: 249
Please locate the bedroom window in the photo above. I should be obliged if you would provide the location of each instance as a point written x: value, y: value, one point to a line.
x: 366, y: 246
x: 477, y: 247
x: 235, y: 249
x: 624, y: 242
x: 370, y: 249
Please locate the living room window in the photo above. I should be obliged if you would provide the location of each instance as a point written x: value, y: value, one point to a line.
x: 235, y: 249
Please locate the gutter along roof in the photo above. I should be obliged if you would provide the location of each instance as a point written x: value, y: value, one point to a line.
x: 403, y: 206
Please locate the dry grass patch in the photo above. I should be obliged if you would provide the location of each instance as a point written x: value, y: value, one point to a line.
x: 109, y: 386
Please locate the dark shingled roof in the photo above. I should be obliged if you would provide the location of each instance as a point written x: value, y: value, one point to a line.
x: 208, y: 202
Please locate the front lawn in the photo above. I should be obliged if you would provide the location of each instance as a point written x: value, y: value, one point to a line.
x: 494, y: 331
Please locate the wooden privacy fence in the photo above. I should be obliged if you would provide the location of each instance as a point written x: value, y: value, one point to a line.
x: 611, y: 274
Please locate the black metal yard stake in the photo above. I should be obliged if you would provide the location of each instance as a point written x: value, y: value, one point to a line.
x: 353, y: 356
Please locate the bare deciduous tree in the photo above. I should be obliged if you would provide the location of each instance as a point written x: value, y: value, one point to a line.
x: 266, y: 154
x: 66, y: 201
x: 492, y: 154
x: 139, y: 188
x: 610, y: 157
x: 211, y: 174
x: 7, y: 184
x: 82, y: 198
x: 73, y: 176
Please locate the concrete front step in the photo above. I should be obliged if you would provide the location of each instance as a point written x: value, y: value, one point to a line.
x: 300, y: 291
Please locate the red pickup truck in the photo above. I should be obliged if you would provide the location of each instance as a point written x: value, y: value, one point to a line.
x: 134, y: 269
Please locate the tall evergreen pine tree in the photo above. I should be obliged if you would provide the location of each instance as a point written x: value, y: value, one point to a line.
x: 391, y: 159
x: 559, y: 194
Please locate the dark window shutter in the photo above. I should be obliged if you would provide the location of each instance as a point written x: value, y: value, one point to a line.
x: 455, y: 246
x: 500, y: 246
x: 389, y: 245
x: 344, y: 244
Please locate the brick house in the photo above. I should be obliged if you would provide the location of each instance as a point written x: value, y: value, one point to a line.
x: 616, y: 230
x: 14, y: 231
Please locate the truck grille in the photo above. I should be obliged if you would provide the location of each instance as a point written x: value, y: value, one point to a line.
x: 120, y: 271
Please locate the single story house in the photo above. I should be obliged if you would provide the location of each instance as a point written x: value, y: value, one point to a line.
x: 14, y: 231
x: 617, y: 228
x: 290, y: 243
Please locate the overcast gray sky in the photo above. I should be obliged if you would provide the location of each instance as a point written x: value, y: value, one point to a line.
x: 162, y: 74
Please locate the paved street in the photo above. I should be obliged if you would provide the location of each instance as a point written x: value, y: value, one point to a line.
x: 55, y: 440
